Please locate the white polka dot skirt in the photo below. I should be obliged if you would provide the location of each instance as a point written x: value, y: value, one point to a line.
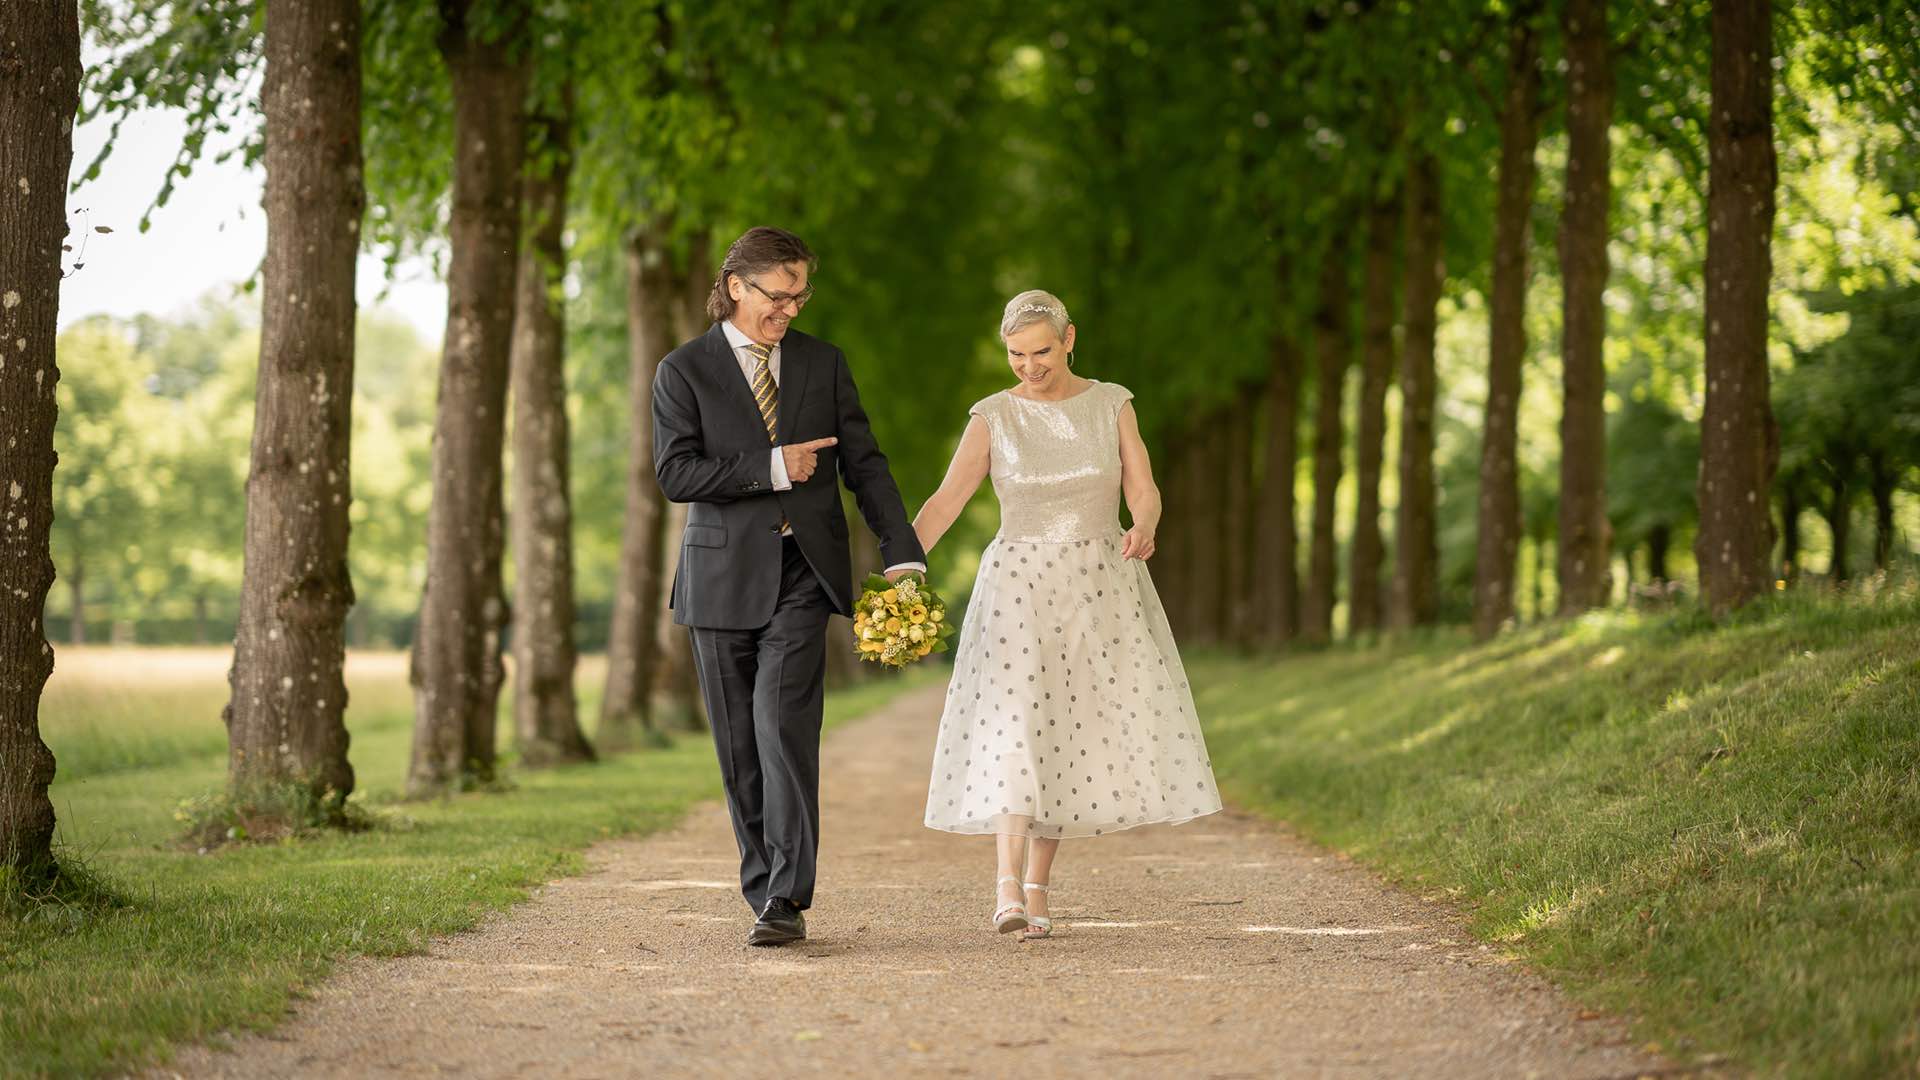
x: 1069, y: 713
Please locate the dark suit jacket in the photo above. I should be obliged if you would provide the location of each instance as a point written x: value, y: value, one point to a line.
x: 710, y: 450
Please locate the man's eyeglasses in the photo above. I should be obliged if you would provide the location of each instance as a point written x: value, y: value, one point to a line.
x: 798, y: 300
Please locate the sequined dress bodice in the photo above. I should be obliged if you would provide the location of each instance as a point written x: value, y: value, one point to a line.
x: 1056, y: 464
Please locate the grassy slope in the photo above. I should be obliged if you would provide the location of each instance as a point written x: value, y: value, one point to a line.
x: 1715, y: 830
x: 212, y: 942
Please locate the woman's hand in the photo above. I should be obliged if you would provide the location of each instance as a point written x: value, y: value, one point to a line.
x: 1137, y: 544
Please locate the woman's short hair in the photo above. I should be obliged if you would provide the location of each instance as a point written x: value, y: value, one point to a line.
x: 759, y: 249
x: 1032, y: 306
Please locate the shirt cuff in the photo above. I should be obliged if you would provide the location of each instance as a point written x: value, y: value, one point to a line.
x: 778, y: 470
x: 920, y: 566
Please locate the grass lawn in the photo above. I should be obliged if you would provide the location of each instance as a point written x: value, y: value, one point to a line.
x: 205, y: 943
x: 1714, y: 830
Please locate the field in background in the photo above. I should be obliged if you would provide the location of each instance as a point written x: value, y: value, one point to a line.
x: 204, y: 943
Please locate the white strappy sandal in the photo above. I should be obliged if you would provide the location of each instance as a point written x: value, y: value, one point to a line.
x: 1013, y: 916
x: 1038, y: 926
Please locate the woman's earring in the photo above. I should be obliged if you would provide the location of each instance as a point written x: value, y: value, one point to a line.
x: 1069, y: 357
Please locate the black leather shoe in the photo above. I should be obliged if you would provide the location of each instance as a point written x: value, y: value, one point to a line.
x: 780, y: 923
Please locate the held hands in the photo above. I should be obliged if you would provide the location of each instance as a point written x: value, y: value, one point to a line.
x: 1138, y: 544
x: 799, y: 458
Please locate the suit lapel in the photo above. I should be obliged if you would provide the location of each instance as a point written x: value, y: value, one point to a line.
x: 726, y: 368
x: 795, y: 362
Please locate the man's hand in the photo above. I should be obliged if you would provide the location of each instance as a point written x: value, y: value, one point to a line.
x: 799, y: 458
x: 896, y: 575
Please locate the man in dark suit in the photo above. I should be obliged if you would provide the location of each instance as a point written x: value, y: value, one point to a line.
x: 750, y: 421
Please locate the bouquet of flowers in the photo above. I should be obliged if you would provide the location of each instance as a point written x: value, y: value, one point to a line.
x: 900, y: 622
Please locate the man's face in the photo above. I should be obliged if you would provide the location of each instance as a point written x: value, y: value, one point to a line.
x: 768, y: 301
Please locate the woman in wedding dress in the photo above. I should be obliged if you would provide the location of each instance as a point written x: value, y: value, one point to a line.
x: 1069, y: 713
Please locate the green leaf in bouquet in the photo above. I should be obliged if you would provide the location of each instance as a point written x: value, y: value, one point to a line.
x: 875, y: 583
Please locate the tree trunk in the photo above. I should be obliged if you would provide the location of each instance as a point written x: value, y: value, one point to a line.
x: 1416, y: 547
x: 1499, y: 524
x: 679, y: 682
x: 1365, y: 608
x: 1882, y: 478
x: 1839, y: 515
x: 39, y: 94
x: 545, y: 712
x: 77, y: 617
x: 286, y: 719
x: 1739, y: 443
x: 654, y: 289
x: 201, y: 633
x: 1209, y: 578
x: 1659, y: 538
x: 1276, y: 576
x: 1584, y: 556
x: 1236, y: 509
x: 456, y: 658
x: 1790, y: 507
x: 1333, y: 346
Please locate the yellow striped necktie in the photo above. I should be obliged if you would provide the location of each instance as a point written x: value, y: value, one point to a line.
x: 765, y: 393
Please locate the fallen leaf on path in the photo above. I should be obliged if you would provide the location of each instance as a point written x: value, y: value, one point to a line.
x: 805, y: 1036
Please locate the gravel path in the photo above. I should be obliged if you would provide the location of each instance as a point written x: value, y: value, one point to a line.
x: 1225, y: 947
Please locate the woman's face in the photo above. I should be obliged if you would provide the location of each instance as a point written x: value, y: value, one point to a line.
x: 1038, y: 356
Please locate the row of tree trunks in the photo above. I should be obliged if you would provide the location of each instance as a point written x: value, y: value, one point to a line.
x: 1366, y: 609
x: 1276, y: 574
x: 456, y: 669
x: 1584, y: 538
x: 1498, y: 543
x: 39, y: 95
x: 1739, y: 443
x: 286, y: 720
x: 1333, y: 352
x: 1416, y: 549
x: 1236, y: 620
x: 679, y: 682
x: 545, y: 710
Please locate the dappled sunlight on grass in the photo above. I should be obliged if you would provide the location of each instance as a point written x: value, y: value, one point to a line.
x: 1659, y: 812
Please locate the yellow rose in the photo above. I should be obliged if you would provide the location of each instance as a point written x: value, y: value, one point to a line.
x: 937, y: 614
x: 891, y: 596
x: 925, y: 648
x: 914, y: 634
x: 893, y: 626
x: 870, y: 646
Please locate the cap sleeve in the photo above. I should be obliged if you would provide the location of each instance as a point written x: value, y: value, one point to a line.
x: 987, y: 408
x: 1117, y: 396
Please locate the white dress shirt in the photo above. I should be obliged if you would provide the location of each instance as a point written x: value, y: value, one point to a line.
x: 777, y: 469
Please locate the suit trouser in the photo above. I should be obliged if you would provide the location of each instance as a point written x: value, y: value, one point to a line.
x: 763, y: 689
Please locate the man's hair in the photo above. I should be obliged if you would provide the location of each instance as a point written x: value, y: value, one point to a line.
x: 758, y: 250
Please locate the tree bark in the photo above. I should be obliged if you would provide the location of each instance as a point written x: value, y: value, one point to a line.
x: 1416, y: 548
x: 626, y: 711
x: 1497, y: 547
x: 1839, y: 514
x: 1333, y: 347
x: 1882, y: 478
x: 1739, y: 443
x: 1209, y: 577
x: 1276, y: 576
x: 1584, y: 557
x: 77, y: 618
x: 456, y: 658
x: 1790, y: 507
x: 1659, y: 538
x: 1365, y: 609
x: 1236, y: 508
x: 545, y: 711
x: 39, y: 94
x: 286, y: 719
x: 678, y: 680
